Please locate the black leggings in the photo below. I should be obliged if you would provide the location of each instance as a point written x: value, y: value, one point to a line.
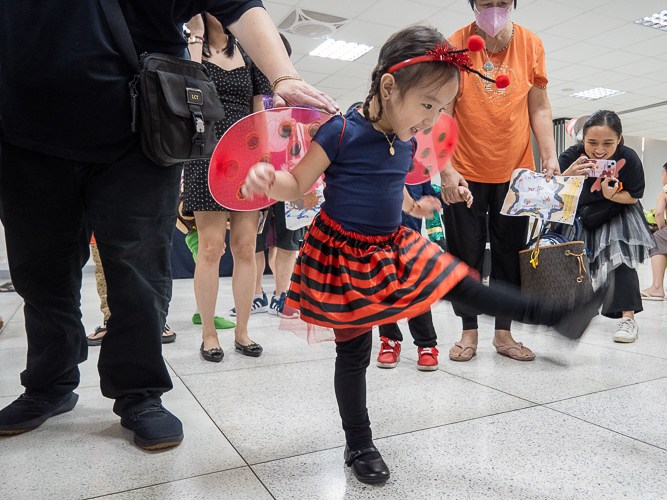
x: 353, y: 356
x: 421, y: 328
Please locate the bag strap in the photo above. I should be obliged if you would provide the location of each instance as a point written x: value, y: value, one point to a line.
x: 120, y: 32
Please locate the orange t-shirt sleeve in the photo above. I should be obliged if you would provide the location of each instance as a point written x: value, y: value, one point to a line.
x: 540, y: 70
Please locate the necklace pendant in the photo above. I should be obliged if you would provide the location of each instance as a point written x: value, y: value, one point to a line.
x: 488, y: 66
x: 391, y: 150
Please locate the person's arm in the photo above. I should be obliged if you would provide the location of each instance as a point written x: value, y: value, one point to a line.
x: 541, y: 121
x: 257, y: 103
x: 609, y: 192
x: 450, y: 179
x: 660, y: 210
x: 287, y: 186
x: 422, y: 208
x: 196, y: 27
x: 258, y: 36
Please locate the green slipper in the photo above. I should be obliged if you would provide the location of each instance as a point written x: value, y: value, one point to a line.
x: 220, y: 323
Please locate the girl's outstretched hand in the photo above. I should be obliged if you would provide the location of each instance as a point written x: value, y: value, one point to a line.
x: 259, y: 180
x: 425, y: 207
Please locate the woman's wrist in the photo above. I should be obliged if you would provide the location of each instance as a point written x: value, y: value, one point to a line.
x: 282, y: 79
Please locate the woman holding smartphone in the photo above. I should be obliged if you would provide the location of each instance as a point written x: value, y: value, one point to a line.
x: 611, y: 215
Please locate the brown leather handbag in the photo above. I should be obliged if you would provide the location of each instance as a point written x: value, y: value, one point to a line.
x: 557, y: 273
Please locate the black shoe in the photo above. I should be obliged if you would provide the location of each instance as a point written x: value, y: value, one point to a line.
x: 215, y: 355
x: 574, y: 322
x: 98, y: 341
x: 168, y: 339
x: 252, y: 349
x: 29, y: 412
x: 367, y: 465
x: 154, y: 427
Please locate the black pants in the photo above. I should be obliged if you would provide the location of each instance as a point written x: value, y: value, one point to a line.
x: 50, y: 206
x: 421, y: 328
x: 626, y: 296
x: 466, y: 232
x: 353, y: 356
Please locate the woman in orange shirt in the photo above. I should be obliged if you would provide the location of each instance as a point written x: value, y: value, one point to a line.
x: 495, y: 126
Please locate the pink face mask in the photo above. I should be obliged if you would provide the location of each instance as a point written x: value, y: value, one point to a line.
x: 492, y: 20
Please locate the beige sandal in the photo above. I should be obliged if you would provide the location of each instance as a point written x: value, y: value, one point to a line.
x: 461, y: 357
x: 514, y: 351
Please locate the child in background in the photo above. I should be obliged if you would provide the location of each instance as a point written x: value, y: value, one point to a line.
x: 421, y: 326
x: 358, y: 267
x: 659, y: 254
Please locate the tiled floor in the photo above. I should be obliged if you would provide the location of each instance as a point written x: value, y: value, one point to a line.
x: 584, y: 420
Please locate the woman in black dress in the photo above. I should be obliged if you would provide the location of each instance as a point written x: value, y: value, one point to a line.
x: 238, y: 84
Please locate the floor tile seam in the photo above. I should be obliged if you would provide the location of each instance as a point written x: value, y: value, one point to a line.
x: 394, y: 435
x: 603, y: 390
x: 534, y: 403
x: 229, y: 441
x: 167, y: 482
x: 616, y: 347
x: 606, y: 428
x: 254, y: 367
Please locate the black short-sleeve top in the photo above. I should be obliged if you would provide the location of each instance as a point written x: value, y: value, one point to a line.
x: 631, y: 174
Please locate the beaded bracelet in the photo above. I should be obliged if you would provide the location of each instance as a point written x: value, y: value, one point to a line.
x: 282, y: 78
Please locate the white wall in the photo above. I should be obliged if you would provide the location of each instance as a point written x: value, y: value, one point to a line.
x: 655, y: 156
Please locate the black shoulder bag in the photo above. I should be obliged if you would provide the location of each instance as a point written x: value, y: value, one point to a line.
x: 174, y: 103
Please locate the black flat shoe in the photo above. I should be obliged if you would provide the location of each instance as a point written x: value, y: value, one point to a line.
x: 254, y: 349
x: 168, y: 339
x: 367, y: 465
x: 215, y: 355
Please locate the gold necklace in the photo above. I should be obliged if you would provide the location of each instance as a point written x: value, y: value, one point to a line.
x: 488, y: 65
x: 391, y: 143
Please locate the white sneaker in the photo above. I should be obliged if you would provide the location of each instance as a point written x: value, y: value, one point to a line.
x: 627, y: 332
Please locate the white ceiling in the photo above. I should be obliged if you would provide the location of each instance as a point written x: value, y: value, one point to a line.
x: 588, y: 43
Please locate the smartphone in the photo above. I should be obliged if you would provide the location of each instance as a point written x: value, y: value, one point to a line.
x: 599, y: 167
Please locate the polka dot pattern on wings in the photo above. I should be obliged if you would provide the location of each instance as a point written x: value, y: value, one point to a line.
x: 435, y: 147
x: 278, y: 136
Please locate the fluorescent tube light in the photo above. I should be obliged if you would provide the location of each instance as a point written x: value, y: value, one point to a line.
x: 338, y: 49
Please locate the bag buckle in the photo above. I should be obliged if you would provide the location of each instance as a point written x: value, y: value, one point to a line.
x: 199, y: 125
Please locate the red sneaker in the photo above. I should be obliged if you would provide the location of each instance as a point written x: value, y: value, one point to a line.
x: 390, y: 353
x: 428, y: 359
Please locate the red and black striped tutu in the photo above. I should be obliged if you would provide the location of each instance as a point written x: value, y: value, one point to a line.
x: 351, y: 282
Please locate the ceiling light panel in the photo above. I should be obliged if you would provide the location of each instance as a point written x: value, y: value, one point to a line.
x: 596, y: 93
x: 338, y: 49
x: 658, y: 21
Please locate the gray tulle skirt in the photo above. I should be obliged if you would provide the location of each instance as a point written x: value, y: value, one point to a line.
x: 625, y: 239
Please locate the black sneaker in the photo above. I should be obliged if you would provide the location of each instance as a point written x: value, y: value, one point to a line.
x: 29, y: 412
x: 154, y: 427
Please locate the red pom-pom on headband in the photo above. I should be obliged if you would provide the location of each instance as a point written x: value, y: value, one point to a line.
x: 476, y: 43
x: 459, y: 58
x: 502, y: 81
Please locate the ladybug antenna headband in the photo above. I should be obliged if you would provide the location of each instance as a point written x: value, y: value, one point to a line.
x: 459, y: 58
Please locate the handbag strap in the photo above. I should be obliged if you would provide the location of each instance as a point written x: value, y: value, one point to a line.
x: 120, y: 32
